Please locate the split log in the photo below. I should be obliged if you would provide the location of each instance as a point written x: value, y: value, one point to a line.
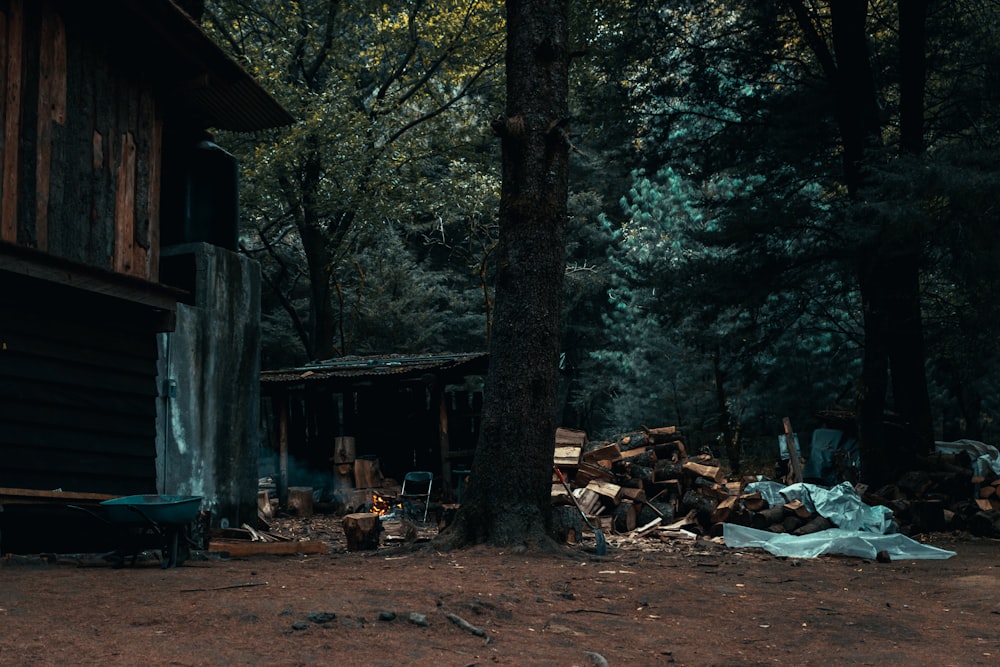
x: 567, y: 456
x: 985, y: 523
x: 791, y: 523
x: 640, y: 473
x: 399, y: 529
x: 798, y: 508
x: 588, y: 500
x: 712, y: 472
x: 656, y: 509
x: 814, y: 525
x: 673, y: 451
x: 707, y: 487
x: 588, y: 472
x: 606, y: 452
x: 723, y: 510
x: 662, y: 434
x: 632, y: 441
x: 367, y: 473
x: 571, y: 437
x: 664, y: 470
x: 612, y: 492
x: 753, y: 501
x: 264, y: 504
x: 361, y: 530
x: 641, y: 457
x: 635, y: 494
x: 768, y: 517
x: 702, y: 505
x: 559, y: 495
x: 625, y: 517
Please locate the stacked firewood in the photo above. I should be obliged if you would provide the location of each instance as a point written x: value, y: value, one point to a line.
x: 942, y: 491
x: 640, y: 483
x: 645, y: 482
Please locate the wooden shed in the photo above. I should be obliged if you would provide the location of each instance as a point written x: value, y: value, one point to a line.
x: 105, y: 106
x: 408, y: 412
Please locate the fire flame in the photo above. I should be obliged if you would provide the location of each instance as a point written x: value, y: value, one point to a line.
x: 381, y: 506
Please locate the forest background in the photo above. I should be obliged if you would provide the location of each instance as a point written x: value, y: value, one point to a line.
x: 729, y: 246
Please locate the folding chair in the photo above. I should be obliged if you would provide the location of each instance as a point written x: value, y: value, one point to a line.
x: 419, y: 479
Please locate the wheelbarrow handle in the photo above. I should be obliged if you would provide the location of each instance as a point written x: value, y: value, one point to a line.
x: 91, y: 513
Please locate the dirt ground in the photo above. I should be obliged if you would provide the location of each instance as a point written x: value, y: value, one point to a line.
x: 644, y: 603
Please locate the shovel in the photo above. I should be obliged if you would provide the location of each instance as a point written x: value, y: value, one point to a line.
x: 602, y: 544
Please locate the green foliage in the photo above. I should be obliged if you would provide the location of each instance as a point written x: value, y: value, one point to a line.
x: 391, y: 101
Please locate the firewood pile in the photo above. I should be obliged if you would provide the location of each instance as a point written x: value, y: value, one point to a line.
x: 643, y: 483
x: 646, y: 484
x: 943, y: 492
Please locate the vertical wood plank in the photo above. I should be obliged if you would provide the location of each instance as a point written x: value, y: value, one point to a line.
x: 153, y: 193
x: 11, y: 129
x: 51, y: 111
x: 4, y: 49
x: 124, y: 240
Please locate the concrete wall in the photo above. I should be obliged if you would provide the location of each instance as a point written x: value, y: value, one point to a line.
x: 209, y: 370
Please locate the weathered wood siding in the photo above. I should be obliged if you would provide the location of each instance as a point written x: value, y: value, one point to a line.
x: 77, y: 391
x: 80, y: 138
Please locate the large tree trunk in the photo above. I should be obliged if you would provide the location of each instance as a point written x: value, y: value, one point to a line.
x: 508, y: 500
x: 889, y: 265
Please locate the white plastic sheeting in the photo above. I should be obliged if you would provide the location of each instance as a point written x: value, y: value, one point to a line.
x: 862, y: 530
x: 856, y: 543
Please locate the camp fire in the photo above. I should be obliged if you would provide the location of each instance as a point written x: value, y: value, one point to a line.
x: 381, y: 505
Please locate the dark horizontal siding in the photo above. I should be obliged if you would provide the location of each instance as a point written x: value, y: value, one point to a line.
x: 77, y: 391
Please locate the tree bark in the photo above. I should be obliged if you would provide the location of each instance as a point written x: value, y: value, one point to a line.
x: 507, y: 502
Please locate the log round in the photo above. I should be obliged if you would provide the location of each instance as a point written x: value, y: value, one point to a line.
x: 625, y: 517
x: 361, y: 530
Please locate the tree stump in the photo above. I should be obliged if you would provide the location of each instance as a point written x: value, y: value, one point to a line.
x: 300, y: 499
x: 361, y: 530
x: 567, y: 524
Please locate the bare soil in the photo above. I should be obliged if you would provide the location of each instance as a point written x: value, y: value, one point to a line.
x: 644, y: 603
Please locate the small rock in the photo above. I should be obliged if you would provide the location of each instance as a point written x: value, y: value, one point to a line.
x: 418, y: 619
x: 300, y: 625
x: 322, y: 616
x: 387, y: 616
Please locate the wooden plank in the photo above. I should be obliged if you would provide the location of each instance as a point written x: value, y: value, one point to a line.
x: 51, y: 111
x: 124, y: 239
x: 12, y: 120
x: 10, y: 495
x: 795, y: 471
x: 243, y: 548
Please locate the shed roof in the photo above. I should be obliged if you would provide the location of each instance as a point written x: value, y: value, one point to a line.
x: 348, y: 370
x: 196, y: 77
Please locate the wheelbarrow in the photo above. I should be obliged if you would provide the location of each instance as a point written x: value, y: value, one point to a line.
x: 168, y: 518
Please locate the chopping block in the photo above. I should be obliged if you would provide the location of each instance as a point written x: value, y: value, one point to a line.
x: 361, y: 530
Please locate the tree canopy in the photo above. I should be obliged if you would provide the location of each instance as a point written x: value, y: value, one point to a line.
x: 775, y: 207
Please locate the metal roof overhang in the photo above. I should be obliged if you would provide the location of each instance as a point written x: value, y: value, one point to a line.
x: 347, y: 372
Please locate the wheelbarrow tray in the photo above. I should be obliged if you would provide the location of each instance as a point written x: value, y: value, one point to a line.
x: 152, y: 509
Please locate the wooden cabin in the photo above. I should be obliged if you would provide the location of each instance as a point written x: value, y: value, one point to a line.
x: 104, y: 117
